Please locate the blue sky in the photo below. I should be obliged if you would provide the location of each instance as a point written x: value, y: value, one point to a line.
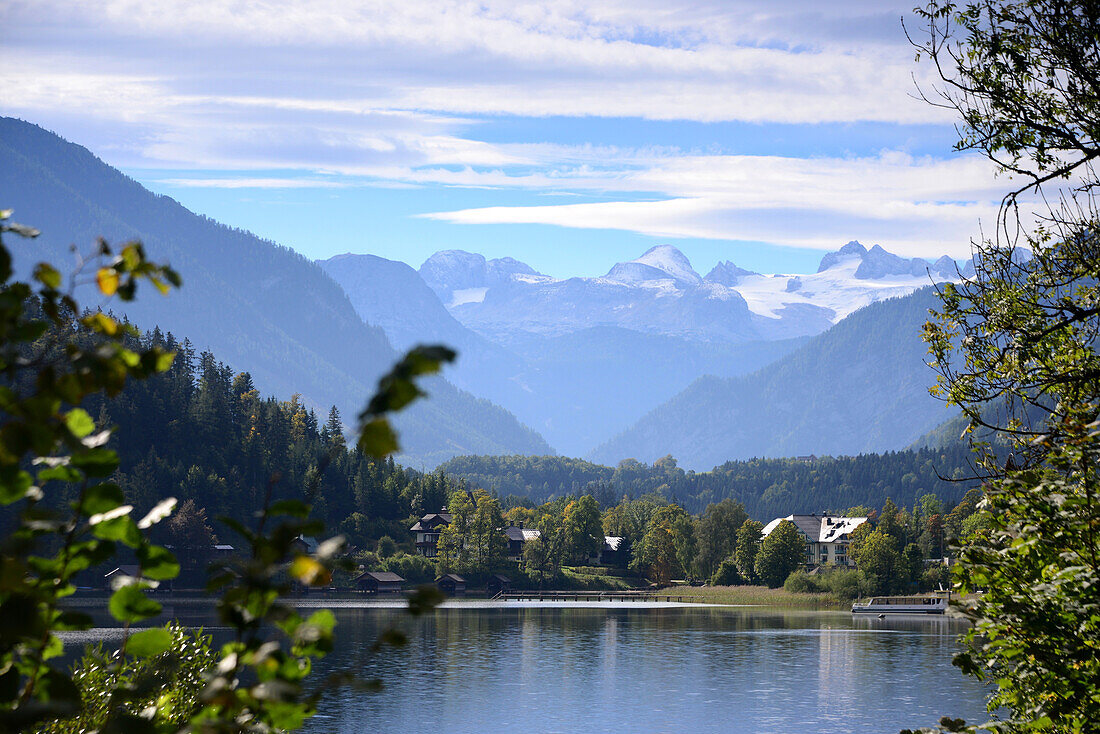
x: 570, y: 135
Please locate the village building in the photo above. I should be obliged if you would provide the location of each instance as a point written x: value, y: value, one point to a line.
x: 498, y: 583
x: 427, y: 531
x: 827, y: 537
x: 305, y: 545
x: 614, y: 552
x: 379, y: 582
x: 517, y: 536
x: 451, y: 584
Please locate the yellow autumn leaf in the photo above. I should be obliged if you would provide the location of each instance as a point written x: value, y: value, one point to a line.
x: 107, y: 280
x: 309, y: 571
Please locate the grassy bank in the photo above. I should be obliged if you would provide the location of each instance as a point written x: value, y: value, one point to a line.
x: 760, y: 595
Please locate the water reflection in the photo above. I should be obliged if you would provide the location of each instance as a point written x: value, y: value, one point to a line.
x: 479, y: 667
x: 666, y: 669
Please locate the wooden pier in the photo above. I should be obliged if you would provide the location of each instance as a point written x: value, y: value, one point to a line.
x: 623, y: 596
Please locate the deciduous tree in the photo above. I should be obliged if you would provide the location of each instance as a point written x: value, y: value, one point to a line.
x: 1015, y: 346
x: 716, y: 533
x: 748, y: 544
x: 781, y: 552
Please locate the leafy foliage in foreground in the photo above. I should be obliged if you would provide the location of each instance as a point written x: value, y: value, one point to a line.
x: 169, y: 682
x: 1023, y: 334
x: 49, y: 443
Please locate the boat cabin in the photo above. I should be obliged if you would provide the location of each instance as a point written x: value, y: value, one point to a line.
x: 451, y: 584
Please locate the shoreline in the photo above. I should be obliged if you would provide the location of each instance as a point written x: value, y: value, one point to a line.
x: 688, y: 596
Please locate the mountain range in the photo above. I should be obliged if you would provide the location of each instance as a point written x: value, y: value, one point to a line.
x: 661, y: 293
x: 649, y: 359
x: 261, y: 307
x: 582, y: 359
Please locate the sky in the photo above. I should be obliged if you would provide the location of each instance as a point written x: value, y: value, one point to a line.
x: 569, y: 135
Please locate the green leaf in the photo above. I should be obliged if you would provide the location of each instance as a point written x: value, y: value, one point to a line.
x: 377, y: 438
x: 102, y: 498
x: 293, y: 508
x: 129, y: 604
x: 96, y: 462
x: 118, y: 527
x: 14, y: 484
x: 79, y: 422
x: 147, y: 643
x: 47, y: 275
x: 157, y: 563
x: 59, y: 473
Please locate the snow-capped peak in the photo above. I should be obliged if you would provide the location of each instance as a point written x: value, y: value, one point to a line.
x: 672, y: 261
x: 851, y: 250
x: 659, y: 263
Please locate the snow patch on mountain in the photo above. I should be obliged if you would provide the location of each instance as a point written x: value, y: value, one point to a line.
x: 661, y: 293
x: 671, y: 261
x: 467, y: 295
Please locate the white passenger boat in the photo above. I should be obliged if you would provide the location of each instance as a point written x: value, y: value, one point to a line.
x: 901, y: 605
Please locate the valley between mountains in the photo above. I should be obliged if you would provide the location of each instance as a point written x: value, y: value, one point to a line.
x: 649, y: 359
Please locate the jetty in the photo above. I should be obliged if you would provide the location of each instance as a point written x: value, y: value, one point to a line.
x: 623, y: 596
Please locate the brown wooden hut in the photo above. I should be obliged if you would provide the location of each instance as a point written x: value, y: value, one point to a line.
x: 451, y: 584
x: 498, y: 583
x: 379, y: 582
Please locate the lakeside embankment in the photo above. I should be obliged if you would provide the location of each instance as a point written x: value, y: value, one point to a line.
x: 733, y: 595
x: 760, y: 596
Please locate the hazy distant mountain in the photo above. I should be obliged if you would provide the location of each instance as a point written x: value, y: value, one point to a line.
x: 862, y: 386
x: 261, y: 307
x: 660, y: 293
x: 577, y: 389
x: 581, y: 359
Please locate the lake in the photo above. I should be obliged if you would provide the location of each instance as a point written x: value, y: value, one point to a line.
x: 473, y: 667
x: 663, y: 668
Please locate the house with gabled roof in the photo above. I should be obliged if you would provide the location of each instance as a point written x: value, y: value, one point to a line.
x: 379, y: 582
x: 827, y: 537
x: 427, y: 530
x: 451, y: 584
x: 517, y: 537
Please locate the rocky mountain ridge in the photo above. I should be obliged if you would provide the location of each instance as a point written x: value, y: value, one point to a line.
x: 661, y: 293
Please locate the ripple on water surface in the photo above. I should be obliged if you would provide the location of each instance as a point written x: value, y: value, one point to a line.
x: 477, y: 667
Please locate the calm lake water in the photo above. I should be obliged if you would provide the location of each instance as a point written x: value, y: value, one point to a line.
x: 628, y: 667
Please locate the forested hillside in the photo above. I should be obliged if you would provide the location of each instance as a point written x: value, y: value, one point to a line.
x: 203, y: 432
x: 766, y: 487
x: 860, y: 387
x: 259, y: 306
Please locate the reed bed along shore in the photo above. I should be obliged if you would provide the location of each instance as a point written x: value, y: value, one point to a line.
x: 759, y: 595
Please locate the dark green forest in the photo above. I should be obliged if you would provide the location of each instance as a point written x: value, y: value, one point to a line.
x: 202, y: 432
x: 767, y: 488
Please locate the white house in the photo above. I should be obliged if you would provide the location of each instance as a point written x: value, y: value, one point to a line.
x: 826, y: 536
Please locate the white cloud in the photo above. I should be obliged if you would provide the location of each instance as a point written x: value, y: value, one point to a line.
x: 693, y: 61
x: 380, y: 92
x: 921, y: 207
x: 253, y: 183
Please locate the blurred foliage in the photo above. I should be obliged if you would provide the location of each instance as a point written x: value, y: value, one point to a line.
x: 50, y: 444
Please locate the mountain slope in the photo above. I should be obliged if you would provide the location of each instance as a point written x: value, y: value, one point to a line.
x: 263, y: 308
x: 862, y: 386
x: 577, y: 389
